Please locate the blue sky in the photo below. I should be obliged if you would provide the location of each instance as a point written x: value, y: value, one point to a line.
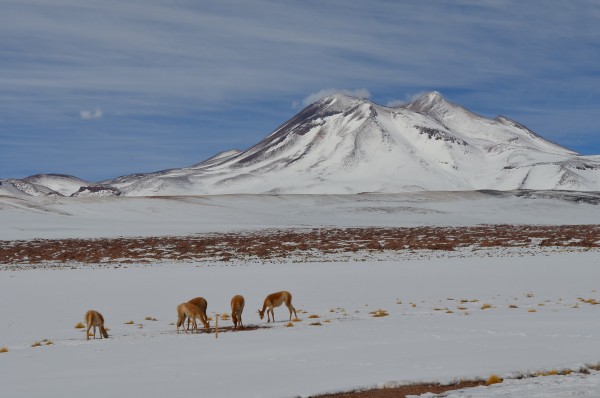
x: 105, y: 88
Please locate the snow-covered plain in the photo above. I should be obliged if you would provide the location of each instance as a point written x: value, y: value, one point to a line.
x: 58, y: 217
x: 418, y: 341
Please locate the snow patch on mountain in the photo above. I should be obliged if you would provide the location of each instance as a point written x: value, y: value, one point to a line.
x: 64, y: 184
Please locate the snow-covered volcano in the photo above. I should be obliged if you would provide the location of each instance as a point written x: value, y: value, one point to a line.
x: 343, y: 144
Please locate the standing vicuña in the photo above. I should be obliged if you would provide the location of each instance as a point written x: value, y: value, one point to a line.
x: 95, y: 319
x: 190, y: 311
x: 275, y: 300
x: 237, y: 306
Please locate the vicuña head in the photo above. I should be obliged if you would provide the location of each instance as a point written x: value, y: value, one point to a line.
x: 94, y: 319
x: 275, y: 300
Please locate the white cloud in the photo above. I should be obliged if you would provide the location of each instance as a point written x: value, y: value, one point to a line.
x: 87, y: 115
x: 408, y: 98
x: 359, y: 93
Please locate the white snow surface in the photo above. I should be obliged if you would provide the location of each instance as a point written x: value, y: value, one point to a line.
x: 353, y: 350
x: 573, y: 385
x: 67, y: 217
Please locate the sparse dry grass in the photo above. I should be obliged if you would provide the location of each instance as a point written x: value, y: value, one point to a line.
x: 493, y: 379
x: 379, y: 313
x: 316, y: 324
x: 130, y: 323
x: 486, y: 306
x: 275, y: 243
x: 36, y: 344
x: 313, y: 316
x: 79, y: 325
x: 532, y: 310
x: 296, y: 320
x: 3, y: 349
x: 461, y: 308
x: 151, y: 318
x: 289, y: 325
x: 48, y: 342
x: 512, y: 306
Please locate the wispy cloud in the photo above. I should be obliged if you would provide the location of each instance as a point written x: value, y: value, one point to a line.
x: 87, y: 115
x: 407, y: 98
x: 184, y: 65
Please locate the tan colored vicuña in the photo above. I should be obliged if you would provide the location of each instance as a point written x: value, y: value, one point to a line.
x: 190, y: 311
x: 201, y: 303
x: 237, y: 306
x: 95, y: 319
x: 275, y: 300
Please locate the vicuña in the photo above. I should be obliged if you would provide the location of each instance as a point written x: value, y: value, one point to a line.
x: 275, y: 300
x: 193, y: 312
x: 237, y: 306
x: 95, y: 319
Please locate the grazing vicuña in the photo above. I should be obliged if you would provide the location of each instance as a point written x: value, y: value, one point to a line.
x: 237, y: 306
x: 275, y: 300
x: 95, y: 319
x: 190, y: 311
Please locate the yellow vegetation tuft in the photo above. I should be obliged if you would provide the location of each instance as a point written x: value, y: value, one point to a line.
x: 225, y: 317
x: 513, y: 306
x: 129, y: 323
x: 313, y: 316
x: 493, y: 379
x: 3, y: 349
x: 289, y: 325
x: 151, y: 318
x: 316, y: 324
x: 461, y: 308
x: 379, y: 313
x: 36, y: 344
x: 49, y: 342
x: 79, y: 325
x: 296, y: 320
x: 532, y: 310
x: 486, y: 306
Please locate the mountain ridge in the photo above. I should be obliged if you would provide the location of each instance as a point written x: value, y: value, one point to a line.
x: 344, y: 144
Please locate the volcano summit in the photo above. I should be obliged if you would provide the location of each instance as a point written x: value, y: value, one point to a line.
x: 344, y: 145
